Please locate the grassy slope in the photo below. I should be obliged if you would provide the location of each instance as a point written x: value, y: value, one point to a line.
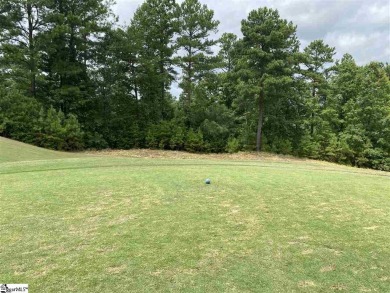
x: 110, y: 224
x: 12, y: 150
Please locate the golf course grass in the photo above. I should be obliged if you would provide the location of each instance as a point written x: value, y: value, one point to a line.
x: 12, y: 151
x: 111, y: 223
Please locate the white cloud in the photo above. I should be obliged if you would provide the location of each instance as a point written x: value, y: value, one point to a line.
x: 364, y: 47
x: 375, y: 13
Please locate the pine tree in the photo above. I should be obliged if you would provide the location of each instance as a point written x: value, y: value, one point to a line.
x: 75, y: 29
x: 197, y: 23
x: 267, y: 61
x: 21, y: 24
x: 152, y: 31
x: 316, y: 57
x: 227, y: 78
x: 116, y: 104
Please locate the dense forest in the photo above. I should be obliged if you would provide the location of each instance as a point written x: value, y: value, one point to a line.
x: 72, y: 78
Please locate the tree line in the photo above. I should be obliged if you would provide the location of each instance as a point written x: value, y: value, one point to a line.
x: 71, y: 78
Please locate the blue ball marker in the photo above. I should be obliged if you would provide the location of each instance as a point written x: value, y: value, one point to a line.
x: 207, y: 181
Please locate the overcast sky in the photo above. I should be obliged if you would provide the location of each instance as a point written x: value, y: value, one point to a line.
x: 358, y: 27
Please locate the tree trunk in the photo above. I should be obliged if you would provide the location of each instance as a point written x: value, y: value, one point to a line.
x: 312, y: 114
x: 189, y: 85
x: 162, y: 73
x: 31, y: 49
x: 189, y: 75
x: 260, y: 123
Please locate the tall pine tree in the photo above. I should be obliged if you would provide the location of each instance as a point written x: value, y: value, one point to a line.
x: 21, y: 23
x: 76, y: 27
x: 197, y: 24
x: 267, y: 59
x: 152, y: 31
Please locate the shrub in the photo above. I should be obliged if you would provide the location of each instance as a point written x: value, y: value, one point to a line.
x: 55, y: 131
x: 233, y: 145
x: 280, y: 146
x: 195, y: 142
x: 215, y: 135
x: 309, y: 147
x: 151, y: 138
x: 95, y: 141
x: 177, y: 139
x: 160, y: 135
x: 18, y: 115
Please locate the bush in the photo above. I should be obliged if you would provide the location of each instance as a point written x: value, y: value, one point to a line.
x: 177, y: 139
x: 309, y: 148
x: 215, y: 135
x: 233, y: 145
x: 151, y: 138
x: 280, y: 146
x: 73, y: 136
x: 160, y: 135
x: 18, y: 115
x: 95, y: 141
x: 195, y: 142
x: 377, y: 159
x: 55, y: 131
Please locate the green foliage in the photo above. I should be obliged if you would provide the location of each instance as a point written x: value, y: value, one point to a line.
x: 281, y: 146
x: 215, y: 135
x: 177, y: 139
x: 351, y: 125
x: 194, y: 141
x: 159, y: 136
x: 18, y: 115
x: 21, y: 28
x: 24, y: 119
x: 315, y: 58
x: 167, y: 135
x: 309, y: 147
x: 72, y: 36
x: 233, y: 145
x: 95, y: 141
x: 55, y: 131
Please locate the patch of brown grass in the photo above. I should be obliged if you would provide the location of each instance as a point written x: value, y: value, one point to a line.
x: 162, y: 154
x: 116, y: 270
x: 339, y: 287
x: 44, y: 270
x: 328, y: 269
x: 305, y: 284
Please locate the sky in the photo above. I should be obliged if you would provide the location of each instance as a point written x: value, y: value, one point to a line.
x: 358, y: 27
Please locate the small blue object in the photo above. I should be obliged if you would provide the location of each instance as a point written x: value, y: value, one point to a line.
x: 207, y: 181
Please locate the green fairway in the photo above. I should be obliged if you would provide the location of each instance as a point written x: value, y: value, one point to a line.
x: 120, y: 224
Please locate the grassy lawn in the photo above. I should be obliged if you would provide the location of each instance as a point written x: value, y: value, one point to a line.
x: 11, y: 151
x: 124, y: 224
